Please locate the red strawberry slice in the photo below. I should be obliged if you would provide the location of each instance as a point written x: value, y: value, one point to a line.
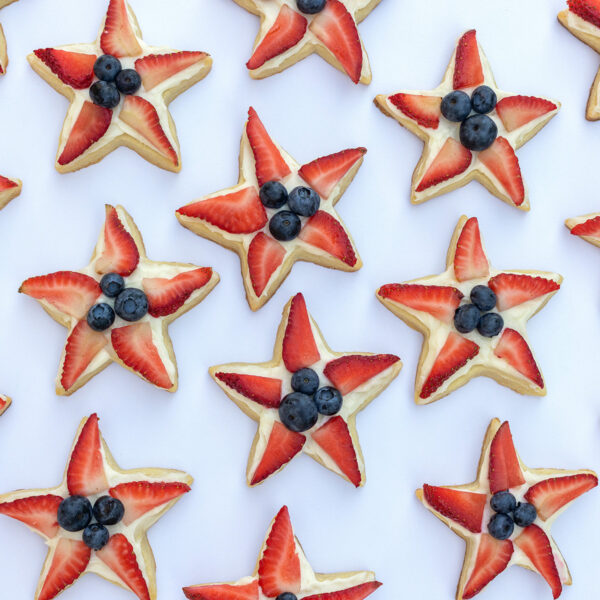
x: 501, y: 160
x: 348, y: 372
x: 265, y: 255
x: 505, y: 470
x: 7, y: 184
x: 358, y: 592
x: 464, y: 508
x: 336, y: 28
x: 452, y: 160
x: 133, y: 344
x: 118, y: 555
x: 91, y: 124
x: 166, y: 296
x: 69, y: 561
x: 156, y: 68
x: 468, y: 71
x: 512, y: 290
x: 425, y: 110
x: 237, y: 212
x: 282, y: 446
x: 513, y: 348
x: 536, y: 545
x: 73, y: 68
x: 439, y: 301
x: 550, y: 495
x: 142, y: 117
x: 470, y: 261
x: 324, y: 173
x: 118, y: 37
x: 37, y: 512
x: 455, y: 354
x: 289, y: 28
x: 279, y: 565
x: 589, y: 228
x: 140, y: 497
x: 83, y: 345
x: 299, y: 347
x: 70, y: 292
x: 4, y: 403
x: 249, y: 591
x: 326, y: 232
x: 120, y: 254
x: 264, y: 390
x: 516, y: 111
x: 588, y: 10
x: 493, y: 557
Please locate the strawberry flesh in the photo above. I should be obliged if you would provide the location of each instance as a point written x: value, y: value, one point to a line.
x: 588, y: 10
x: 7, y: 184
x: 462, y: 507
x: 156, y: 68
x: 326, y: 232
x: 38, y: 512
x: 265, y: 255
x: 589, y: 228
x: 248, y: 591
x: 69, y: 561
x: 504, y: 470
x: 501, y: 160
x: 516, y: 111
x: 425, y: 110
x: 468, y: 71
x: 118, y: 37
x: 452, y: 160
x: 73, y: 68
x: 358, y: 592
x: 470, y: 261
x: 348, y: 372
x: 513, y: 348
x: 493, y: 557
x: 120, y: 254
x: 264, y: 390
x: 512, y: 290
x: 299, y: 347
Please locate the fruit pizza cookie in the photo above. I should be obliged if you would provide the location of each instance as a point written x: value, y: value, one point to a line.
x: 586, y: 227
x: 5, y: 402
x: 9, y: 189
x: 3, y: 52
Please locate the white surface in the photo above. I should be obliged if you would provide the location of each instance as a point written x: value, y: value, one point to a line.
x: 215, y: 532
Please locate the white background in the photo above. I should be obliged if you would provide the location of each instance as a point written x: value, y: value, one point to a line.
x: 215, y: 532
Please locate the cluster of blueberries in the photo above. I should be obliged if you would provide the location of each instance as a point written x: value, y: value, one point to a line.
x: 509, y: 513
x: 300, y: 410
x: 477, y: 132
x: 113, y: 81
x: 476, y: 316
x: 311, y: 7
x: 131, y: 304
x: 76, y: 513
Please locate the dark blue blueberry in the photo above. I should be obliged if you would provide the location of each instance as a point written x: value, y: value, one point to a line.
x: 503, y: 502
x: 108, y: 510
x: 298, y: 412
x: 490, y: 325
x: 95, y: 536
x: 310, y: 7
x: 285, y: 225
x: 483, y: 298
x: 287, y: 596
x: 328, y: 401
x: 105, y: 94
x: 131, y: 304
x: 305, y: 381
x: 74, y: 513
x: 112, y: 284
x: 304, y: 201
x: 128, y: 81
x: 456, y: 106
x: 273, y: 194
x: 478, y: 132
x: 466, y: 318
x: 525, y: 514
x: 483, y: 99
x: 501, y: 526
x: 101, y: 316
x: 107, y: 67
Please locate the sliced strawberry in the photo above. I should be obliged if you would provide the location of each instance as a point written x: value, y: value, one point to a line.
x: 550, y: 495
x: 336, y: 28
x: 248, y: 591
x: 452, y: 160
x: 118, y: 555
x: 468, y: 71
x: 70, y: 292
x: 358, y: 592
x: 455, y: 354
x: 588, y: 10
x: 166, y: 296
x: 5, y: 402
x: 142, y: 117
x: 73, y: 68
x: 91, y: 124
x: 140, y: 497
x: 120, y: 253
x: 326, y: 232
x: 348, y: 372
x: 512, y: 290
x: 133, y: 344
x: 265, y: 255
x: 237, y: 212
x: 536, y: 545
x: 289, y: 28
x: 299, y: 347
x: 118, y: 37
x: 156, y: 68
x: 279, y: 565
x: 513, y: 348
x: 324, y: 173
x: 504, y: 470
x: 589, y: 228
x: 270, y: 165
x: 439, y: 301
x: 37, y: 512
x: 7, y: 184
x: 501, y: 160
x: 69, y: 561
x: 264, y: 390
x: 464, y: 508
x: 470, y: 261
x: 425, y: 110
x: 282, y: 446
x: 516, y: 111
x: 493, y: 557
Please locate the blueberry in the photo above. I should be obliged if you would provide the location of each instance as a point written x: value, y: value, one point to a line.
x: 107, y: 67
x: 95, y: 536
x: 456, y: 106
x: 101, y: 316
x: 466, y: 318
x: 285, y: 225
x: 483, y: 99
x: 128, y: 81
x: 525, y: 514
x: 112, y: 284
x: 74, y: 513
x: 310, y: 7
x: 304, y: 201
x: 273, y: 194
x: 490, y: 325
x: 478, y: 132
x: 298, y: 412
x: 105, y: 94
x: 305, y: 381
x: 131, y: 304
x: 108, y: 510
x: 328, y: 401
x: 483, y: 298
x: 287, y: 596
x: 503, y: 502
x: 501, y: 526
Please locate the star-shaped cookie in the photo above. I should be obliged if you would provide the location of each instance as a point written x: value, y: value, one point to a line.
x: 237, y: 219
x: 473, y: 318
x: 141, y: 119
x: 287, y: 35
x: 118, y: 308
x: 284, y: 571
x: 264, y: 390
x: 9, y: 189
x: 514, y: 527
x: 5, y: 402
x: 447, y: 164
x: 126, y: 559
x: 3, y: 53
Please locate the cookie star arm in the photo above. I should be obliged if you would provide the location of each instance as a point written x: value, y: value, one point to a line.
x: 9, y: 190
x: 587, y: 227
x: 5, y: 402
